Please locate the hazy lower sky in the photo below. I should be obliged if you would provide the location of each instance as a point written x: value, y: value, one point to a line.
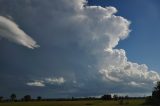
x: 65, y: 48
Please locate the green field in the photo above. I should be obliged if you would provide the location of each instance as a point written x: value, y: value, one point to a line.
x: 76, y: 103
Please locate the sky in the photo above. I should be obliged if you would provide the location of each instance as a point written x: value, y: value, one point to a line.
x: 66, y: 48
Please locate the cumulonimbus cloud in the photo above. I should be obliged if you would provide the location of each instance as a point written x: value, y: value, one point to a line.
x: 11, y: 31
x: 99, y: 31
x: 80, y: 44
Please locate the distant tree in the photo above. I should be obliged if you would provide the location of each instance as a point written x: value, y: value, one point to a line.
x: 13, y: 97
x: 27, y: 98
x: 72, y: 98
x: 115, y: 97
x: 39, y: 98
x: 106, y: 97
x: 1, y: 98
x: 121, y: 101
x: 156, y: 95
x: 126, y: 97
x: 148, y: 100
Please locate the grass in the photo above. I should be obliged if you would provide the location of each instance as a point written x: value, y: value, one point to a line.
x: 76, y: 103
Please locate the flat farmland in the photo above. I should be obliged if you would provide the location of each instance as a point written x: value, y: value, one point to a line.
x: 77, y: 103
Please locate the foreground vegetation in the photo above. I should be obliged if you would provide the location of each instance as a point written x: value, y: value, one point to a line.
x: 134, y: 102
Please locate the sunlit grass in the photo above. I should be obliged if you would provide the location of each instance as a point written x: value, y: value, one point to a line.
x: 76, y: 103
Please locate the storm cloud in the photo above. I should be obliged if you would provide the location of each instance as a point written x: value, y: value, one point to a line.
x: 78, y: 54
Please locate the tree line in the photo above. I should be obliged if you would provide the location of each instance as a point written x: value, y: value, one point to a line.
x: 154, y: 99
x: 13, y: 98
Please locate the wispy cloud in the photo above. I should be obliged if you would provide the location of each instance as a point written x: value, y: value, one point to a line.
x: 47, y: 81
x: 36, y: 83
x: 11, y: 31
x: 59, y: 80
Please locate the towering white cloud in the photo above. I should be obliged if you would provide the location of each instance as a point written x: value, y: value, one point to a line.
x: 11, y: 31
x: 97, y: 30
x: 116, y: 68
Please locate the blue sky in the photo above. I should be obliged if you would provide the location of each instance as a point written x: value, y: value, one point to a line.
x: 65, y: 48
x: 142, y: 45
